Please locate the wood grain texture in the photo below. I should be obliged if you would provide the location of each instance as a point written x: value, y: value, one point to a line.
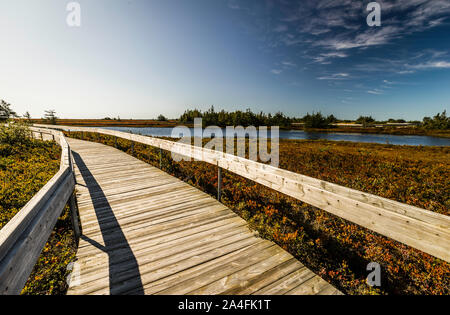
x: 146, y: 232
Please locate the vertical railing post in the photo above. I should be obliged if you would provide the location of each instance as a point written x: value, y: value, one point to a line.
x: 115, y: 142
x: 160, y: 158
x: 42, y: 136
x: 132, y: 148
x: 219, y: 183
x: 74, y: 217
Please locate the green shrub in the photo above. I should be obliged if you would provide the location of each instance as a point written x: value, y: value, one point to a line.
x: 440, y: 121
x: 14, y: 133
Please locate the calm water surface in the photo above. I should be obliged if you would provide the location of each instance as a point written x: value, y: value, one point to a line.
x: 305, y: 135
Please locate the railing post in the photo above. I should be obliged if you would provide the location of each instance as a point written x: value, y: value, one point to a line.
x: 74, y: 217
x: 132, y: 148
x: 160, y: 158
x: 219, y: 183
x: 42, y: 136
x: 115, y: 142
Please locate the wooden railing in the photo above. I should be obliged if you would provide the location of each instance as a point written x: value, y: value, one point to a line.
x: 24, y: 236
x: 419, y: 228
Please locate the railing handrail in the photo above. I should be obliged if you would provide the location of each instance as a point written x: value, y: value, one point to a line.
x: 24, y: 236
x: 419, y: 228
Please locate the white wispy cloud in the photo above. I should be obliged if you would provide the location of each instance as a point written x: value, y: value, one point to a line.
x: 232, y: 4
x: 328, y: 30
x: 288, y: 64
x: 335, y: 76
x: 375, y: 92
x: 324, y: 58
x: 432, y: 65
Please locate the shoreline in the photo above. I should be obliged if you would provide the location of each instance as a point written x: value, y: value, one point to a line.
x: 142, y: 123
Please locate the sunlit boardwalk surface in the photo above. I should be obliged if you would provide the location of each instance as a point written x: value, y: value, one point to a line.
x: 146, y: 232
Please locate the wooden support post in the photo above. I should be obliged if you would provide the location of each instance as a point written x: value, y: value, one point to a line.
x: 219, y: 184
x: 115, y: 142
x: 42, y: 136
x: 53, y: 137
x: 74, y: 217
x: 82, y: 135
x: 132, y: 148
x: 160, y: 158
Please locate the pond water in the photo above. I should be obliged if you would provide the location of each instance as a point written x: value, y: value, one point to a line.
x: 306, y: 135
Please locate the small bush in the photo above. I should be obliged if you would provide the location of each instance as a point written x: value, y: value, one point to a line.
x: 440, y: 121
x: 15, y: 133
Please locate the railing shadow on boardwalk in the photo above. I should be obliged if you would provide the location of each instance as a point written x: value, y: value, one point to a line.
x: 112, y: 234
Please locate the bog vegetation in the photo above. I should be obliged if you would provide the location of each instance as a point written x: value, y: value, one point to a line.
x: 336, y: 249
x: 26, y: 165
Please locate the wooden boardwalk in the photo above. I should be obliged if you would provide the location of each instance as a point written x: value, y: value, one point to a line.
x: 146, y: 232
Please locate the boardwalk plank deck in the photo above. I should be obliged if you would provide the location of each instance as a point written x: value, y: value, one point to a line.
x: 146, y: 232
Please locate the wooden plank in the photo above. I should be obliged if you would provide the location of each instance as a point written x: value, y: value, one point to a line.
x: 232, y: 274
x: 265, y: 278
x: 174, y: 233
x: 190, y: 274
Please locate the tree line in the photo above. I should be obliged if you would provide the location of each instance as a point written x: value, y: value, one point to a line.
x: 237, y: 118
x: 6, y: 112
x: 246, y: 118
x: 315, y: 120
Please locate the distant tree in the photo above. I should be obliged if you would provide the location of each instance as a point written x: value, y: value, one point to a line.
x: 399, y: 121
x: 162, y: 118
x: 107, y: 118
x: 27, y: 116
x: 332, y: 119
x: 50, y: 117
x: 5, y: 111
x: 365, y: 120
x: 317, y: 120
x: 189, y: 115
x: 440, y: 121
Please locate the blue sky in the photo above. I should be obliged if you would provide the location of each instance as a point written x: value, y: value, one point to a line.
x: 141, y: 58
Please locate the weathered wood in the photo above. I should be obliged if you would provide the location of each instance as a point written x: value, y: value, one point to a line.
x: 418, y: 228
x: 74, y: 217
x: 219, y: 184
x: 145, y: 231
x: 24, y: 236
x: 19, y: 261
